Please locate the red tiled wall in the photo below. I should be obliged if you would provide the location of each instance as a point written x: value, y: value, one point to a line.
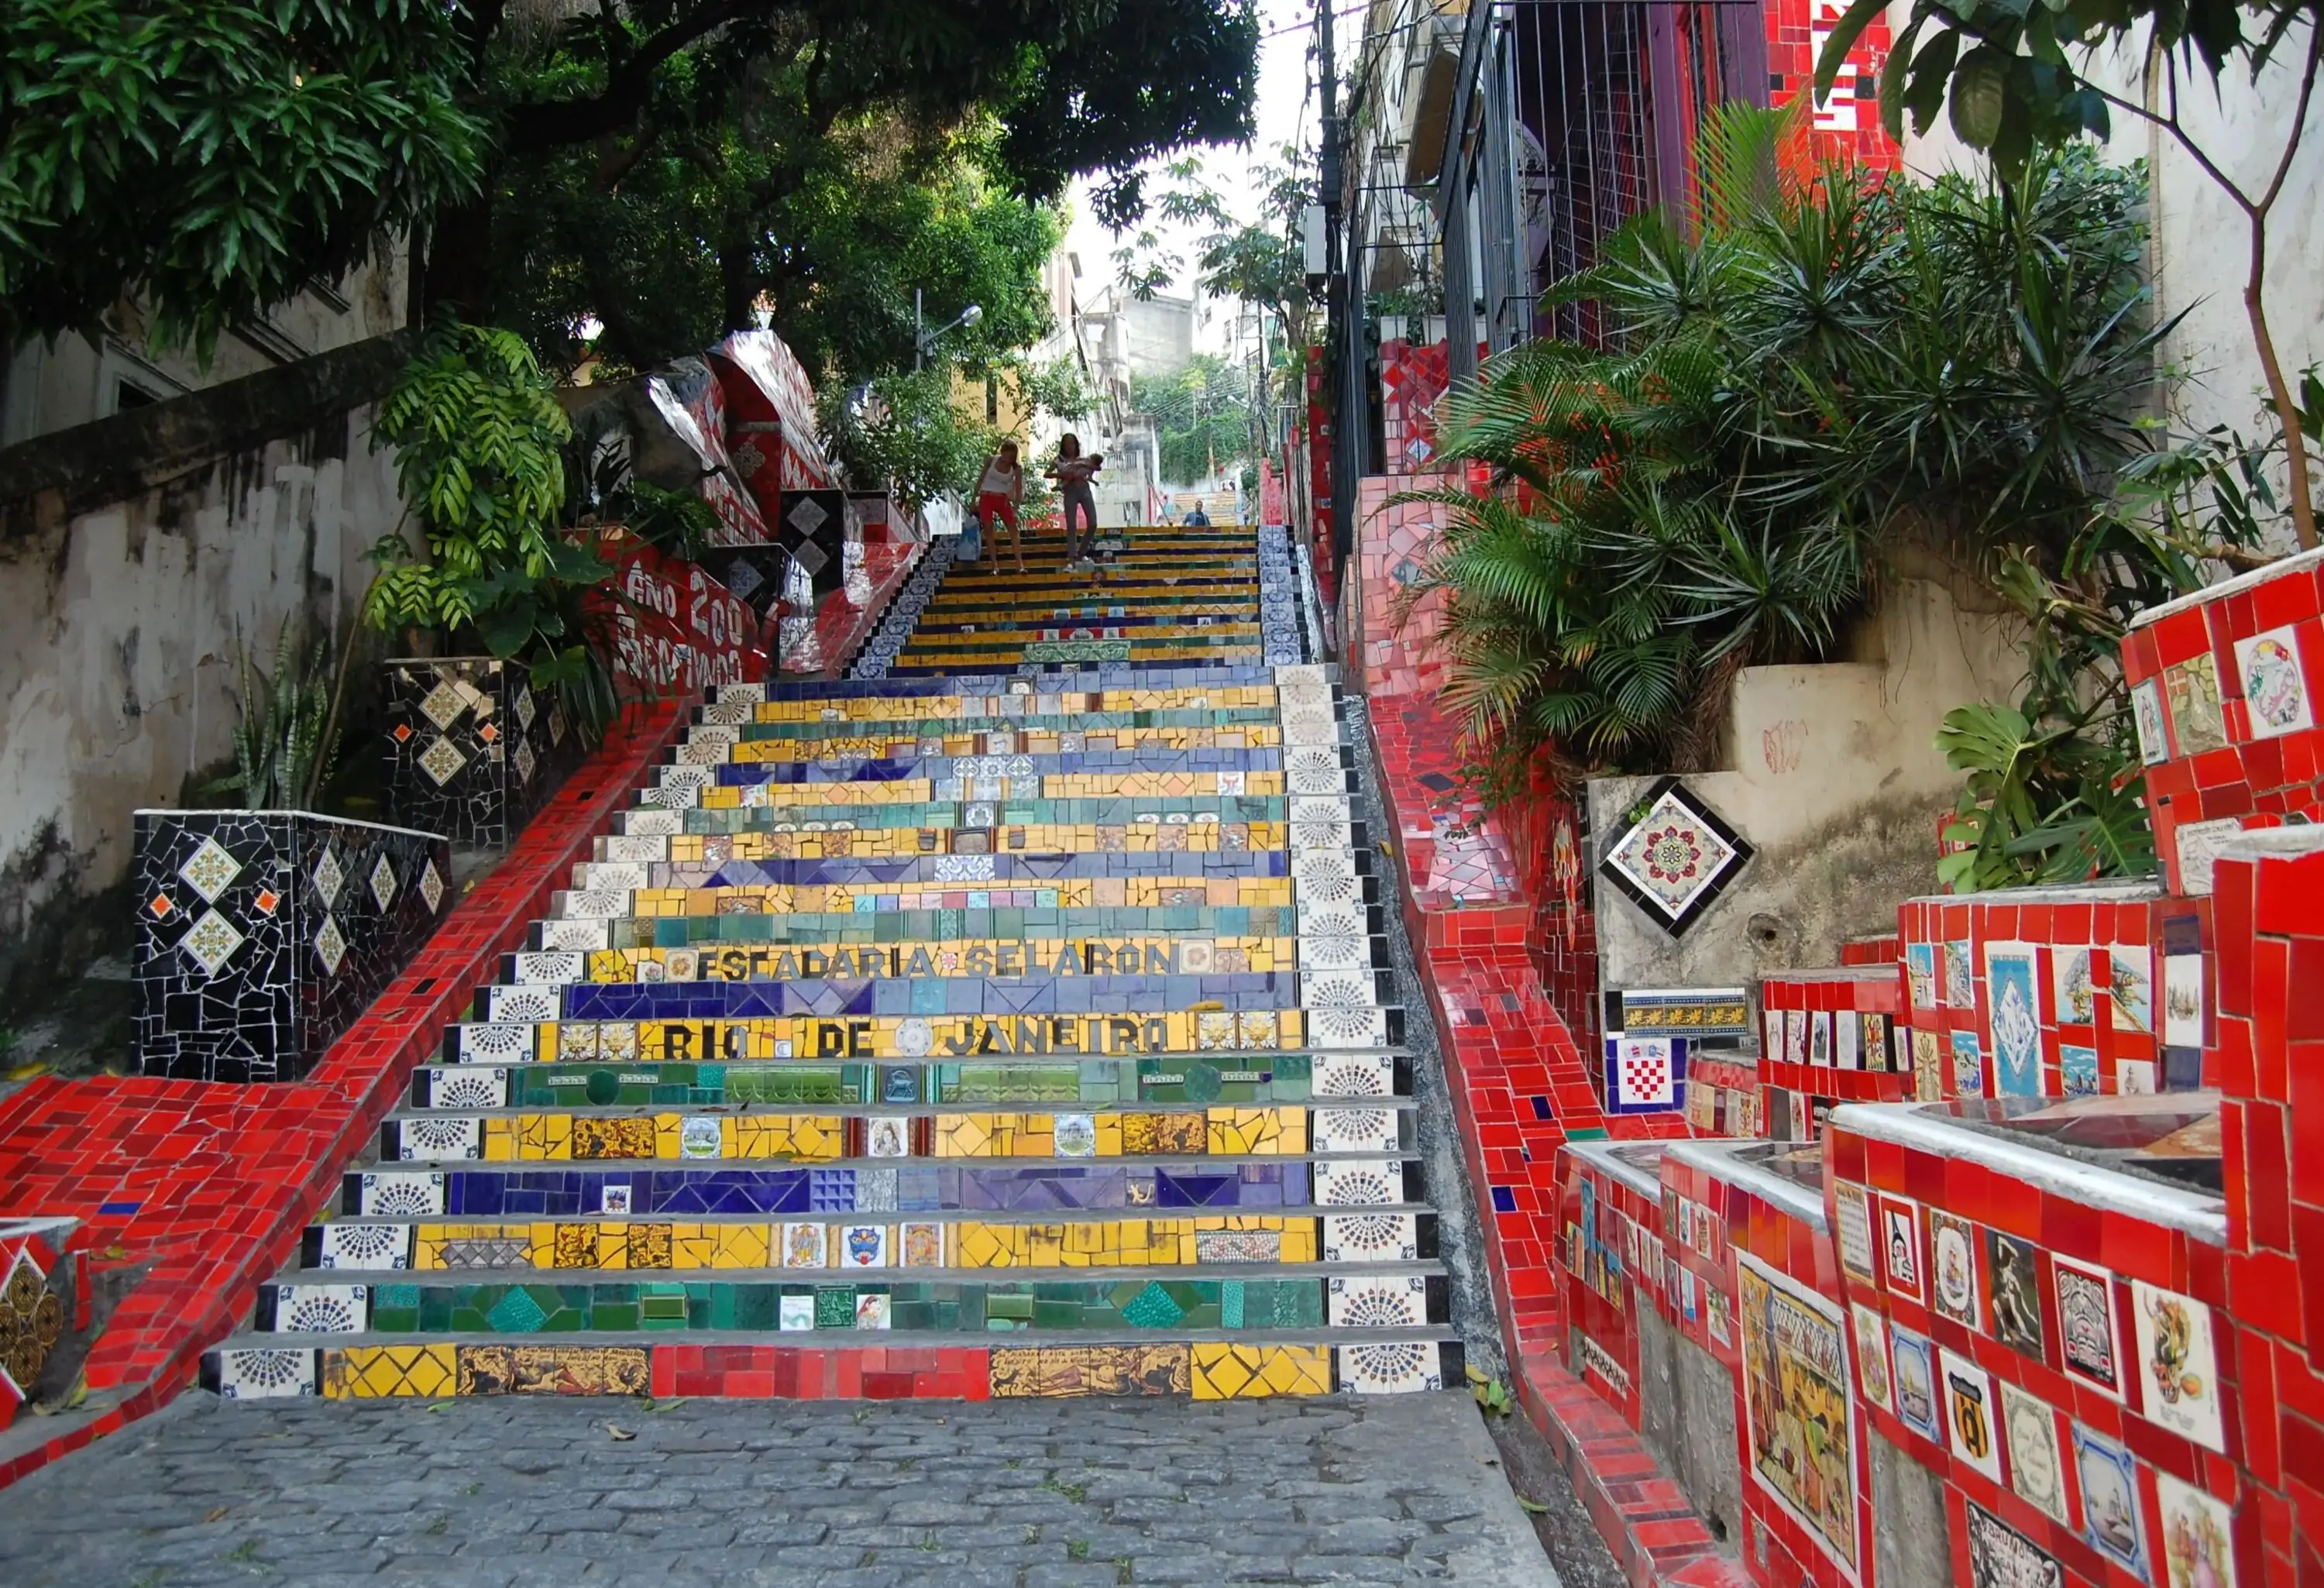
x: 2212, y: 756
x: 1846, y: 126
x: 1709, y: 1220
x: 1791, y: 1009
x: 1919, y: 1187
x: 1942, y: 1007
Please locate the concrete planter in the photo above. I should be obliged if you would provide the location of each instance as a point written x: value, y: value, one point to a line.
x: 263, y: 934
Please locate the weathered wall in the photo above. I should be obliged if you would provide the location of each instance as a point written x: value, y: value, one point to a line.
x: 1831, y: 772
x: 125, y: 595
x: 1911, y: 1545
x: 1687, y: 1399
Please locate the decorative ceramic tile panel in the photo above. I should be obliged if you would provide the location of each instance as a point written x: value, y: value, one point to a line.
x: 262, y: 935
x: 1675, y: 857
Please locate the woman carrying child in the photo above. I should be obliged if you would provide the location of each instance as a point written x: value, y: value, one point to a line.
x: 1072, y: 472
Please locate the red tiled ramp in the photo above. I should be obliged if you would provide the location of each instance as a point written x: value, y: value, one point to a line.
x: 211, y: 1185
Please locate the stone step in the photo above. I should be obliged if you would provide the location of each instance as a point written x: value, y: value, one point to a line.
x: 1057, y: 1192
x: 1150, y: 955
x: 520, y: 1003
x: 1033, y: 656
x: 765, y: 807
x: 875, y: 1364
x: 928, y: 1299
x: 1337, y: 924
x: 1208, y: 639
x: 765, y: 834
x: 1176, y: 613
x: 1214, y: 1079
x: 486, y: 1113
x: 711, y: 748
x: 777, y: 784
x: 1005, y: 693
x: 751, y: 1249
x: 818, y: 743
x: 724, y: 868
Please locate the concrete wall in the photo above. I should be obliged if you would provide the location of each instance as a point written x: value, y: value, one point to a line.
x: 2200, y: 255
x: 117, y: 663
x: 1911, y: 1545
x: 1831, y: 772
x: 1686, y: 1398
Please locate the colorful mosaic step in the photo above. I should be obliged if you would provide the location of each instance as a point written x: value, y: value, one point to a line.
x: 1354, y: 1190
x: 1247, y: 1079
x: 908, y: 1012
x: 760, y: 1299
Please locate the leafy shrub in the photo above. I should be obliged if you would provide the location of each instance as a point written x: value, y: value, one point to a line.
x: 479, y: 436
x: 1825, y: 367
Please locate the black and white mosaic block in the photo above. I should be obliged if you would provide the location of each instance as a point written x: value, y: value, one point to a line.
x: 895, y: 632
x: 473, y: 749
x: 264, y: 934
x: 1280, y: 630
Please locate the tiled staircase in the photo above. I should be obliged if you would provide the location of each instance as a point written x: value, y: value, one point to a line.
x: 974, y: 1030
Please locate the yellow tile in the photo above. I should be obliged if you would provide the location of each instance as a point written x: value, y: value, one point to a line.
x: 373, y: 1372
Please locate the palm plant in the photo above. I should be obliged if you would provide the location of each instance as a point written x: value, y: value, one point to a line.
x: 1818, y: 368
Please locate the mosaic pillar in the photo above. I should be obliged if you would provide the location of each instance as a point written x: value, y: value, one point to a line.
x: 472, y: 748
x: 263, y: 934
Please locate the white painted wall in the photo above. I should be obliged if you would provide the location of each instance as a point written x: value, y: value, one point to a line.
x: 45, y: 387
x: 117, y: 659
x: 2199, y: 252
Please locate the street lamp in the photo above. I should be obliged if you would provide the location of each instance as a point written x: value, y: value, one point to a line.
x: 923, y: 338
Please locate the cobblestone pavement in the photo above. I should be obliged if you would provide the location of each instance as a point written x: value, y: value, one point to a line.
x: 1024, y: 1494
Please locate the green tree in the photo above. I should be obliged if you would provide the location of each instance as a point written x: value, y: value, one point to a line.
x: 2014, y: 76
x: 828, y: 237
x: 208, y: 158
x: 1202, y: 417
x: 906, y: 429
x: 211, y: 158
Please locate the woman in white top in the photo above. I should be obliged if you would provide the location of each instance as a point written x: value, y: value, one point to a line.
x: 997, y: 494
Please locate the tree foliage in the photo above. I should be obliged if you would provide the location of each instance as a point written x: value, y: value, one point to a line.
x: 826, y: 236
x: 906, y: 429
x: 1201, y: 418
x: 479, y: 436
x: 209, y: 157
x: 214, y: 158
x: 1821, y: 371
x: 2014, y: 75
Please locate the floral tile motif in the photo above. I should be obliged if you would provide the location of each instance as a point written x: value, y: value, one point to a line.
x: 1675, y: 857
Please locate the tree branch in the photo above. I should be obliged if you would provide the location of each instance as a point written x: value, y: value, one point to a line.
x: 560, y: 122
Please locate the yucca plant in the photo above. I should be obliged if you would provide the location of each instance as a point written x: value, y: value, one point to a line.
x: 286, y: 744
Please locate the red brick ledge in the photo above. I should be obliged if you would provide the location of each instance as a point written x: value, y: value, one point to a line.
x: 211, y: 1184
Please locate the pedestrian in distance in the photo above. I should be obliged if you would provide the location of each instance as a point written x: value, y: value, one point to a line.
x: 998, y: 494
